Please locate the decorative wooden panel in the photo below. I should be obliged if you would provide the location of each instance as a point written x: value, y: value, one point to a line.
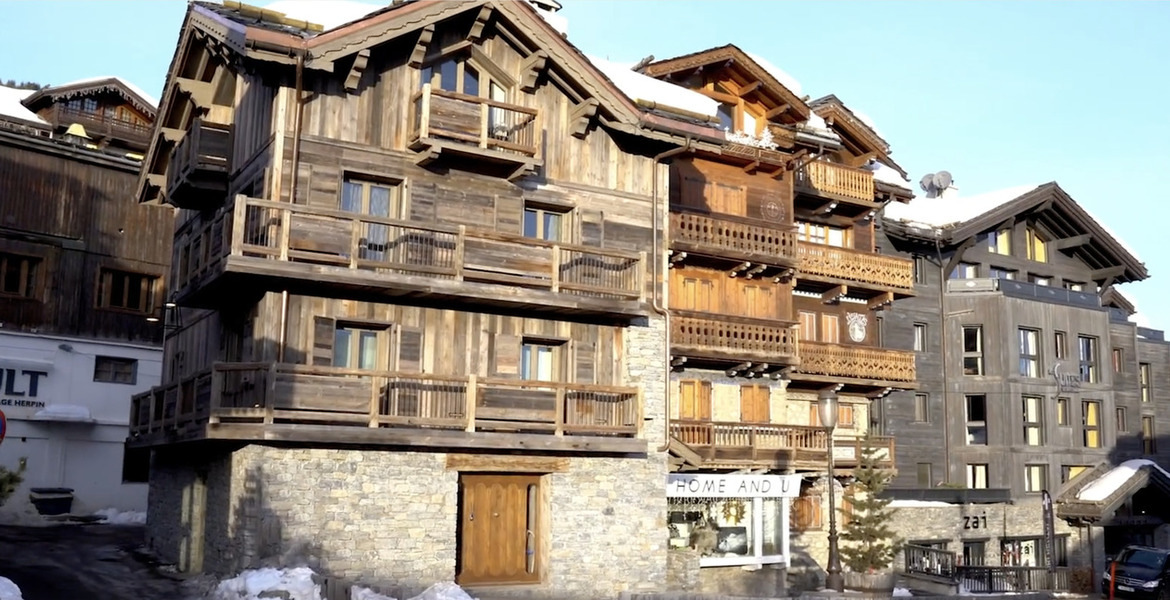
x: 853, y: 361
x: 884, y: 272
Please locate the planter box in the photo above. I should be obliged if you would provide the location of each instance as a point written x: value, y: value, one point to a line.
x: 51, y: 501
x: 882, y: 581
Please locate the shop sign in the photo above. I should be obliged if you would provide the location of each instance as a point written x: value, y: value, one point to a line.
x: 20, y: 389
x: 686, y: 485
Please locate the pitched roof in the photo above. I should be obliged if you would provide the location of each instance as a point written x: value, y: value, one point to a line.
x: 12, y: 107
x: 1095, y: 495
x: 133, y: 94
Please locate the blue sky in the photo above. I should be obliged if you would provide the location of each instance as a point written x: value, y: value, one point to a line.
x: 999, y: 93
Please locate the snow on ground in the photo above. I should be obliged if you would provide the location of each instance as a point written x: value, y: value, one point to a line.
x: 1115, y: 478
x: 902, y: 592
x: 113, y: 516
x: 364, y: 593
x: 446, y: 590
x: 8, y: 590
x: 298, y: 584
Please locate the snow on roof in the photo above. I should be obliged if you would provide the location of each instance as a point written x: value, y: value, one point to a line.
x: 783, y: 77
x: 864, y: 118
x: 328, y: 14
x: 944, y: 211
x: 918, y: 504
x: 886, y: 174
x: 1114, y: 478
x: 1111, y: 233
x: 64, y: 412
x: 10, y: 105
x: 643, y: 87
x: 130, y: 86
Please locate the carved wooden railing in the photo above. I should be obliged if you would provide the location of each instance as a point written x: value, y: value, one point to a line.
x: 817, y: 358
x: 474, y: 121
x: 267, y: 393
x: 725, y: 237
x: 96, y: 123
x: 744, y: 435
x: 724, y: 336
x: 855, y: 265
x: 838, y: 180
x: 296, y: 233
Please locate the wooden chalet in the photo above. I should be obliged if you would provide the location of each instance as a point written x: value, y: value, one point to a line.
x: 112, y: 114
x: 421, y: 240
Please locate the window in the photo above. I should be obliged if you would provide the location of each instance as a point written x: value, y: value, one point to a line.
x: 726, y: 114
x: 754, y: 404
x: 965, y: 271
x: 1029, y: 353
x: 1061, y: 345
x: 376, y: 199
x: 545, y: 224
x: 830, y: 329
x: 111, y: 369
x: 977, y: 476
x: 1068, y: 472
x: 122, y: 290
x: 746, y: 531
x: 920, y: 265
x: 18, y: 275
x: 1000, y: 242
x: 977, y: 420
x: 922, y: 408
x: 924, y: 476
x: 973, y: 350
x: 694, y: 402
x: 824, y: 234
x: 1091, y: 424
x: 1144, y: 380
x: 1040, y: 280
x: 920, y: 337
x: 844, y: 415
x: 1037, y: 246
x: 1034, y: 420
x: 1118, y: 355
x: 1001, y: 273
x: 539, y: 360
x: 808, y: 325
x: 1149, y: 442
x: 1087, y: 353
x: 974, y: 552
x: 1121, y: 426
x: 356, y: 347
x: 1062, y: 412
x: 1074, y: 286
x: 1035, y: 478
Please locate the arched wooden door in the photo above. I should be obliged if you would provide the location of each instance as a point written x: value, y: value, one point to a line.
x: 498, y: 529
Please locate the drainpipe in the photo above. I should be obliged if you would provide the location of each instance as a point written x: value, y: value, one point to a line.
x: 942, y: 314
x: 292, y: 188
x: 657, y: 296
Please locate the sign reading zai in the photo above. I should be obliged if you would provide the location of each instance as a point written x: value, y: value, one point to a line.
x: 680, y: 485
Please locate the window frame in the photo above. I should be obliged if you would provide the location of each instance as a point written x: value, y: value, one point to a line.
x: 148, y: 290
x: 1037, y: 245
x: 963, y: 269
x: 111, y: 375
x: 556, y: 348
x: 1063, y: 406
x: 973, y: 426
x: 1033, y: 419
x: 1031, y: 480
x: 975, y: 355
x: 823, y: 233
x: 1030, y: 363
x: 1088, y: 365
x: 920, y: 337
x: 1091, y: 407
x: 1120, y: 419
x: 28, y: 279
x: 974, y: 470
x: 540, y: 212
x: 1149, y: 435
x: 929, y: 472
x: 1117, y: 357
x: 921, y: 407
x: 358, y: 331
x: 1060, y: 344
x: 1144, y: 376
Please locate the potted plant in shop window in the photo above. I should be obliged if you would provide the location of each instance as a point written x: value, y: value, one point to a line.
x: 870, y: 543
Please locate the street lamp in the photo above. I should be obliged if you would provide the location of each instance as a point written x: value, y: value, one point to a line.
x: 827, y: 405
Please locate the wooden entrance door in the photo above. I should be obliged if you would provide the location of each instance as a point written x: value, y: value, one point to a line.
x: 498, y: 529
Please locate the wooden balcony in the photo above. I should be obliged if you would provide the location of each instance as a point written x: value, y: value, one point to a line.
x: 263, y: 245
x: 481, y: 130
x: 864, y: 272
x: 725, y: 339
x: 836, y: 182
x: 721, y: 236
x: 331, y: 405
x: 197, y: 176
x: 860, y: 365
x: 732, y: 445
x: 100, y: 126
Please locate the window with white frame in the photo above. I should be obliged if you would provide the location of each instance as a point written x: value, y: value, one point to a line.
x: 920, y: 337
x: 1030, y: 352
x: 977, y: 476
x: 730, y: 531
x: 973, y: 350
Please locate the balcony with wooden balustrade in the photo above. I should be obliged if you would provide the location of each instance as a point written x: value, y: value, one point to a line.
x: 333, y: 405
x: 727, y: 237
x: 864, y: 273
x: 478, y: 129
x: 197, y: 177
x: 836, y: 182
x: 769, y: 445
x: 100, y: 124
x: 263, y: 245
x: 723, y: 339
x: 855, y: 366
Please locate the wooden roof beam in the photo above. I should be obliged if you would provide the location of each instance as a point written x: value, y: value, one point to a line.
x: 355, y: 71
x: 201, y: 93
x: 531, y: 69
x: 420, y: 46
x: 1107, y: 274
x: 834, y: 294
x: 581, y: 116
x: 881, y: 301
x: 1075, y: 241
x: 749, y: 88
x: 476, y: 33
x: 777, y: 111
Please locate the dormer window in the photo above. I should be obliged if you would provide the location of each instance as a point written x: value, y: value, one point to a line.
x: 1037, y: 246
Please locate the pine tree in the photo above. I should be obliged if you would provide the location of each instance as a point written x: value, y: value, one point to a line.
x: 9, y: 481
x: 872, y: 544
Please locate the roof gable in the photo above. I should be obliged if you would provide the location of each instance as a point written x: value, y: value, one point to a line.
x: 856, y: 130
x: 760, y: 76
x: 95, y: 85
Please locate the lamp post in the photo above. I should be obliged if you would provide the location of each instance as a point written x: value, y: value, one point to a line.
x: 827, y: 407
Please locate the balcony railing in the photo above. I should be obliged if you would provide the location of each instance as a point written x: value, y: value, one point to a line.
x: 854, y: 265
x: 197, y: 176
x: 727, y: 339
x: 272, y: 393
x: 474, y: 124
x: 836, y: 181
x: 724, y: 237
x: 858, y: 362
x: 729, y: 441
x: 376, y: 250
x: 100, y: 125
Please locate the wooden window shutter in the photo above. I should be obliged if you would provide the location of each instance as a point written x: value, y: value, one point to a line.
x: 694, y: 191
x: 753, y: 404
x: 586, y: 358
x: 507, y: 355
x: 324, y: 330
x: 410, y: 342
x: 806, y: 513
x: 694, y: 400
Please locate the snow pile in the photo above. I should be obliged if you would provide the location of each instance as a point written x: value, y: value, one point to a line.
x: 113, y: 516
x: 363, y: 593
x: 249, y: 585
x: 447, y: 590
x: 887, y: 174
x: 8, y: 590
x: 329, y: 15
x: 898, y: 591
x: 1114, y: 479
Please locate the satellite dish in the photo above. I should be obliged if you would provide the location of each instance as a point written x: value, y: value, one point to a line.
x: 942, y: 180
x: 927, y: 182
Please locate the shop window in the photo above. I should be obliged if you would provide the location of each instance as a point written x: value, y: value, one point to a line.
x: 1029, y: 352
x: 728, y: 531
x: 974, y: 552
x: 1091, y: 424
x: 973, y: 350
x: 123, y: 290
x: 976, y: 420
x: 18, y: 275
x: 112, y: 369
x: 1029, y: 552
x: 1087, y: 354
x: 1033, y: 420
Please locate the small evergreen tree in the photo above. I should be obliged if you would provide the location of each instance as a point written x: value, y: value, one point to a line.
x: 872, y: 543
x: 9, y: 481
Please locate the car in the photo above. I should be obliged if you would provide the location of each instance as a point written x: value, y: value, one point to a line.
x: 1138, y: 572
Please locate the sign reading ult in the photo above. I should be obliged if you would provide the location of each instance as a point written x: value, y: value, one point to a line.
x: 679, y: 485
x: 19, y: 389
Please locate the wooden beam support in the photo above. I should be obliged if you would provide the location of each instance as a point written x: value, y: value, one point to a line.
x: 1108, y: 273
x: 834, y: 294
x: 200, y: 92
x: 756, y: 270
x: 751, y: 167
x: 784, y: 276
x: 355, y: 71
x: 735, y: 271
x: 776, y: 112
x: 581, y: 116
x: 171, y: 134
x: 476, y: 33
x: 677, y: 258
x: 860, y: 161
x: 1043, y: 206
x: 881, y: 301
x: 749, y: 88
x: 531, y: 69
x: 507, y: 463
x: 957, y: 257
x: 1071, y: 242
x: 420, y: 46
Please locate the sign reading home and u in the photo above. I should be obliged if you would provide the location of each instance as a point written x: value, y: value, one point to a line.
x: 680, y: 485
x: 20, y: 391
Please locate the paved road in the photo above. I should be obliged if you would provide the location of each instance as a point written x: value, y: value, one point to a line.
x: 76, y: 562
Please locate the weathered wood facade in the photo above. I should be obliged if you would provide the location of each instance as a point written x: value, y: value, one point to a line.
x: 115, y: 115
